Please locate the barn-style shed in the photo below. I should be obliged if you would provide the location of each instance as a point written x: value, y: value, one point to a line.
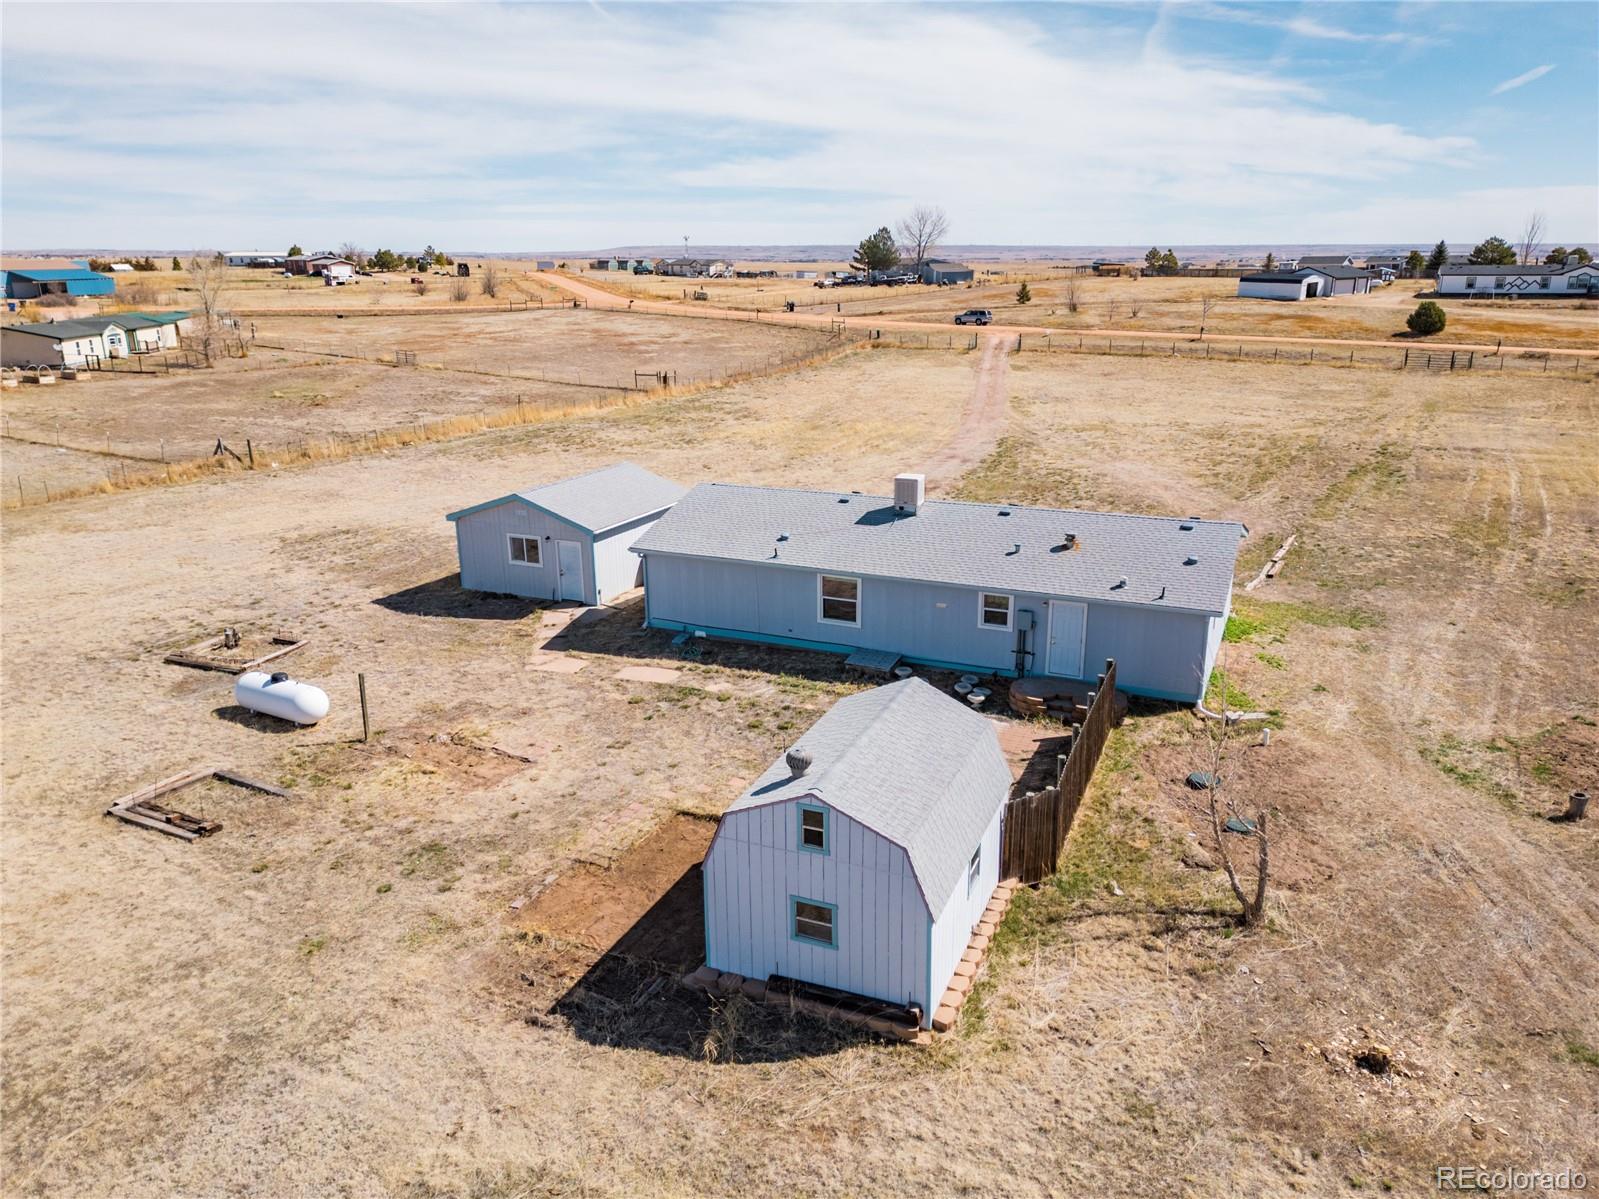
x: 563, y: 541
x: 863, y: 859
x: 990, y: 588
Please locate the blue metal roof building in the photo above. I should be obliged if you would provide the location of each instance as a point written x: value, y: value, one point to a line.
x: 30, y: 285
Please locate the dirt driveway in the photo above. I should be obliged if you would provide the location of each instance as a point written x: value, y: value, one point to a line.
x: 982, y: 422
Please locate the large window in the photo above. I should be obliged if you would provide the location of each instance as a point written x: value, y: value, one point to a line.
x: 993, y: 610
x: 839, y: 599
x: 813, y: 921
x: 525, y: 551
x: 813, y: 828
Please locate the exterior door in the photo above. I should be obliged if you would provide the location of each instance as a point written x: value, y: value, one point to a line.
x: 569, y: 561
x: 1068, y: 624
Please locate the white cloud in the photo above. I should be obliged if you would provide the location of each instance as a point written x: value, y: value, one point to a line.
x: 548, y: 126
x: 1299, y: 25
x: 1523, y: 79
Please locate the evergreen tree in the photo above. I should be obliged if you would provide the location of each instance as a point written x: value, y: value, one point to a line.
x: 1024, y: 294
x: 877, y: 252
x: 1493, y: 251
x: 1426, y: 320
x: 176, y: 265
x: 1558, y: 256
x: 295, y: 250
x: 1438, y: 259
x: 1415, y: 264
x: 1152, y: 261
x: 1271, y: 260
x: 1168, y: 263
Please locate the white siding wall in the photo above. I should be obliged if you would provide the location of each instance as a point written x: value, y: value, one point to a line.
x: 485, y: 555
x: 952, y: 931
x: 616, y: 567
x: 882, y: 923
x: 1272, y: 291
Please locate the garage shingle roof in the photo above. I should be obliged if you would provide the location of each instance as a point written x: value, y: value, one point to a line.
x: 1166, y: 562
x: 599, y: 500
x: 909, y: 763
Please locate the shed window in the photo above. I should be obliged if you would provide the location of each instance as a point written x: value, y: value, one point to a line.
x: 973, y: 868
x: 813, y: 829
x: 840, y: 599
x: 526, y: 551
x: 993, y: 610
x: 813, y: 921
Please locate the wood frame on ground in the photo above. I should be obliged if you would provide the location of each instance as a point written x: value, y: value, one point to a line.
x: 202, y: 655
x: 137, y: 807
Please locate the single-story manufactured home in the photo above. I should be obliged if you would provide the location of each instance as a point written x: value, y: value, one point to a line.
x: 63, y: 343
x: 319, y: 264
x: 563, y: 541
x: 862, y: 860
x: 256, y: 258
x: 30, y: 284
x: 1306, y: 283
x: 990, y: 588
x: 938, y: 270
x: 1532, y: 279
x: 1326, y: 260
x: 693, y: 268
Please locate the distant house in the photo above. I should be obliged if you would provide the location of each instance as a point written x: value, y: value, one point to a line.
x: 563, y: 541
x: 1326, y: 260
x: 544, y: 264
x: 618, y: 264
x: 939, y: 270
x: 989, y: 588
x: 1567, y: 278
x: 255, y: 258
x: 692, y: 268
x: 319, y: 264
x: 1126, y: 270
x: 63, y: 343
x: 862, y: 860
x: 1306, y: 283
x: 30, y: 283
x: 120, y: 267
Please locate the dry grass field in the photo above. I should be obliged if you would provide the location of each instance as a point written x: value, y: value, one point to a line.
x: 334, y: 995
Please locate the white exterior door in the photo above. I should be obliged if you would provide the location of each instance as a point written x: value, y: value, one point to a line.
x: 569, y: 561
x: 1068, y: 624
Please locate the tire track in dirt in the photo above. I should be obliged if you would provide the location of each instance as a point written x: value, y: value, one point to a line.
x: 982, y: 423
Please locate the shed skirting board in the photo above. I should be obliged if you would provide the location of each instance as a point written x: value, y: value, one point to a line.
x: 845, y: 650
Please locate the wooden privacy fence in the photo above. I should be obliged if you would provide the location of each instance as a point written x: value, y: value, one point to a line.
x: 1036, y: 825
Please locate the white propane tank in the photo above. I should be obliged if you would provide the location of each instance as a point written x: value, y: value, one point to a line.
x: 279, y: 695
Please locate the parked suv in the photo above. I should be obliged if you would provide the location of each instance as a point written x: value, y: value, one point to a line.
x: 975, y: 316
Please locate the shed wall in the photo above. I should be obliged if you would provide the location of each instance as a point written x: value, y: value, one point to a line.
x: 952, y: 931
x: 616, y: 567
x: 1272, y: 291
x: 883, y: 929
x: 481, y: 541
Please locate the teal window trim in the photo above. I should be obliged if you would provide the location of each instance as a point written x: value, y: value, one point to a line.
x: 826, y: 847
x: 793, y: 920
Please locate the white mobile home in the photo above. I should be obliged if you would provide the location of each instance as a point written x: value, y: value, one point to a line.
x: 563, y: 541
x: 990, y: 588
x: 63, y: 343
x: 1565, y: 279
x: 862, y: 860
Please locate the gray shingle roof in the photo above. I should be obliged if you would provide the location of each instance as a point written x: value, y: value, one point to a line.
x: 1323, y: 259
x: 968, y: 545
x: 89, y: 326
x: 598, y: 500
x: 908, y: 762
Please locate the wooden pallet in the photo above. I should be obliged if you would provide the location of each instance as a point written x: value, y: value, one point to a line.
x: 204, y: 655
x: 138, y: 807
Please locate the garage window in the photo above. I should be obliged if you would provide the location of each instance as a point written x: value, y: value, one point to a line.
x: 526, y: 551
x: 993, y: 610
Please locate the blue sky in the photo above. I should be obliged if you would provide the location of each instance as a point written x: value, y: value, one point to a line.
x: 543, y: 126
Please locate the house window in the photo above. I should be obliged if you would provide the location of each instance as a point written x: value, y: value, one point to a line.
x: 813, y: 921
x: 813, y: 829
x: 526, y: 551
x: 1471, y: 281
x: 1544, y: 283
x: 972, y: 870
x: 840, y: 599
x: 993, y: 610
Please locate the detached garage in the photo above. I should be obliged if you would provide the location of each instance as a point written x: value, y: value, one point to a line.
x: 566, y: 540
x: 1307, y: 283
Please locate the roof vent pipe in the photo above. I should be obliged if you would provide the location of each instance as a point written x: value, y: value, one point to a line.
x: 909, y: 491
x: 799, y: 761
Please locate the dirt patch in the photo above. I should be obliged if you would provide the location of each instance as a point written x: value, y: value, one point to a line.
x: 981, y: 424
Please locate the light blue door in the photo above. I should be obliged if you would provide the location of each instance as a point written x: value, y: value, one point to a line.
x: 569, y: 560
x: 1068, y: 623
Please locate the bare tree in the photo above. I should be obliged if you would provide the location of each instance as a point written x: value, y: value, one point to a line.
x: 1134, y: 308
x: 1113, y: 313
x: 1205, y: 305
x: 489, y: 279
x: 1069, y: 294
x: 207, y: 275
x: 1531, y: 236
x: 354, y: 253
x: 460, y: 290
x: 1222, y: 800
x: 919, y: 233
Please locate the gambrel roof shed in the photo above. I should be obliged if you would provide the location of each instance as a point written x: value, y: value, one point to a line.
x: 909, y: 763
